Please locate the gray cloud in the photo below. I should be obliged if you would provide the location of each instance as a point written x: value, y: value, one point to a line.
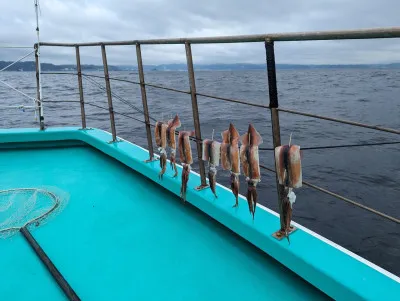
x: 94, y: 20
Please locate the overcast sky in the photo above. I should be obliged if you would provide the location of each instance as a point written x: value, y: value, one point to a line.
x: 95, y: 20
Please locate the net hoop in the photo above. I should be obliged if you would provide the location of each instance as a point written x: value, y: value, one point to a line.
x: 55, y: 204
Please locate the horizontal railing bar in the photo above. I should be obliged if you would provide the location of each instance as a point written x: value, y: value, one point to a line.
x: 233, y: 100
x: 382, y: 129
x: 393, y: 219
x: 372, y: 33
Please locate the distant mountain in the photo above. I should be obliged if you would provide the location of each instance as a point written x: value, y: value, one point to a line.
x: 30, y: 66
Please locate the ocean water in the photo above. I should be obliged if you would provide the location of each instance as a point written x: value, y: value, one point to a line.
x: 369, y: 175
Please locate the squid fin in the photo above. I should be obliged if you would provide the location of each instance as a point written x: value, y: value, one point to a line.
x: 174, y: 123
x: 252, y: 137
x: 233, y: 134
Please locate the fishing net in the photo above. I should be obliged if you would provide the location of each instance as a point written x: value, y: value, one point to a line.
x: 28, y: 207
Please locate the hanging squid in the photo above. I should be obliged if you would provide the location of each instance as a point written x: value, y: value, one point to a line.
x: 211, y: 153
x: 288, y: 167
x: 161, y: 142
x: 251, y: 165
x: 230, y: 158
x: 185, y: 156
x: 173, y: 124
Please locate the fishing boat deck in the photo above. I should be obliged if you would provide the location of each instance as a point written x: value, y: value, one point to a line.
x: 123, y: 237
x: 125, y: 234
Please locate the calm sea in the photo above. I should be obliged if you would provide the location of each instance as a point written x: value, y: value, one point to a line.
x: 369, y: 175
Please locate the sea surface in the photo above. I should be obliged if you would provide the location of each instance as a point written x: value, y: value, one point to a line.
x: 369, y: 175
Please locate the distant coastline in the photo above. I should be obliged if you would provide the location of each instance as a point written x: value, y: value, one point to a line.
x: 30, y: 66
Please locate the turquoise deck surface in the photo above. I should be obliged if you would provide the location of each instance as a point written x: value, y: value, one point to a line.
x: 122, y: 237
x: 133, y: 215
x: 23, y: 277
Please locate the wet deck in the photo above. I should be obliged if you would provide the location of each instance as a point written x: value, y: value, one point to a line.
x: 123, y: 237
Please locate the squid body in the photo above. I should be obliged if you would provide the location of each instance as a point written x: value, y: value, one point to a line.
x: 173, y: 124
x: 211, y: 153
x: 251, y: 164
x: 185, y: 156
x: 160, y: 134
x: 288, y: 167
x: 230, y: 157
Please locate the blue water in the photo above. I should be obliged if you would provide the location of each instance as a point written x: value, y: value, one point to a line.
x: 367, y: 175
x: 122, y: 237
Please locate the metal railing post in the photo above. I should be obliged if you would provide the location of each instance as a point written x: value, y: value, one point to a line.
x: 273, y: 104
x: 109, y: 96
x: 195, y: 110
x: 144, y: 101
x: 38, y: 89
x: 79, y: 71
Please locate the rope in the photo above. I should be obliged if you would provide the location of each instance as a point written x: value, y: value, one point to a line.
x: 117, y: 96
x: 192, y: 138
x: 391, y: 218
x: 20, y: 59
x: 23, y: 107
x: 20, y: 92
x: 339, y: 146
x: 373, y: 127
x: 62, y: 73
x: 63, y: 95
x: 6, y: 46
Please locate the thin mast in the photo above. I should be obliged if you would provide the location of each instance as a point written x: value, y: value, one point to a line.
x: 39, y: 75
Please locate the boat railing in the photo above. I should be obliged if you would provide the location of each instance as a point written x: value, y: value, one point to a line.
x: 273, y: 107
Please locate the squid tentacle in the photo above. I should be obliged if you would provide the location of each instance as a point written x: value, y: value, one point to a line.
x: 235, y: 187
x: 252, y: 195
x: 163, y: 163
x: 287, y: 212
x: 173, y: 163
x: 212, y: 177
x: 185, y: 179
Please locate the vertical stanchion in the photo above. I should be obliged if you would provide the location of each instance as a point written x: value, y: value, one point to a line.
x: 273, y: 104
x: 109, y: 96
x: 39, y: 89
x: 78, y: 69
x: 195, y: 110
x: 144, y: 101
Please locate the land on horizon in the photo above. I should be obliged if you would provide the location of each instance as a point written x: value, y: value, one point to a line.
x: 30, y: 66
